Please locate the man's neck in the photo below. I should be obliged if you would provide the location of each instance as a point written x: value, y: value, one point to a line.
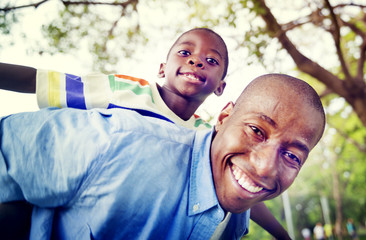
x: 181, y: 106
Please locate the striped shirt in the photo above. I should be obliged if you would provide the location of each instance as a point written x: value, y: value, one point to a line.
x: 96, y: 90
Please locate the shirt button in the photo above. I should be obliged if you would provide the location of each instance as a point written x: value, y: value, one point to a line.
x: 196, y: 207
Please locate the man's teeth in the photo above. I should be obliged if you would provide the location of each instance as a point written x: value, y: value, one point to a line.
x: 243, y: 180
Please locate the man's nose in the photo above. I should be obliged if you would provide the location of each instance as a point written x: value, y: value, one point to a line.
x: 195, y: 61
x: 265, y: 161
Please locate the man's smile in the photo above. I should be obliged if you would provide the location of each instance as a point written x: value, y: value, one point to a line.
x: 244, y: 181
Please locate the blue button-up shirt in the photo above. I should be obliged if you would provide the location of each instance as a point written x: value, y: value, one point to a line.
x: 111, y: 174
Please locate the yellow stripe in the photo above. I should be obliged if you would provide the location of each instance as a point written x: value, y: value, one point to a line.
x: 54, y: 89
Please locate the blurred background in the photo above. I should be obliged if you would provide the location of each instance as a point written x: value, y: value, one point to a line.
x: 320, y: 41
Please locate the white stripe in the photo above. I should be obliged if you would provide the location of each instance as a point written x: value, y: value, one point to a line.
x: 63, y: 102
x: 96, y: 90
x: 42, y: 88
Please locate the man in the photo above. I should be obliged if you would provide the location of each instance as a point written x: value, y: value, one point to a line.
x: 108, y: 174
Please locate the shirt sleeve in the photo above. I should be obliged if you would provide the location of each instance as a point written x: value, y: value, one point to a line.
x: 47, y: 157
x: 56, y: 89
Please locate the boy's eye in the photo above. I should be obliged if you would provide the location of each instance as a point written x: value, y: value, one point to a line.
x: 184, y: 53
x: 212, y: 61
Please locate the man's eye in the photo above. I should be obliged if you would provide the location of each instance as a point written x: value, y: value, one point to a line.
x: 257, y: 131
x: 212, y: 61
x: 184, y: 53
x: 292, y: 157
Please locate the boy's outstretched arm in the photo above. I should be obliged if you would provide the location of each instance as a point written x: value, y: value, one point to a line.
x: 261, y: 215
x: 17, y: 78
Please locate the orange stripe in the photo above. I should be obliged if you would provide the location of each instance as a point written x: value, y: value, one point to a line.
x: 142, y: 82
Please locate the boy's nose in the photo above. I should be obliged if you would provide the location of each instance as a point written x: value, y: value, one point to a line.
x: 196, y: 62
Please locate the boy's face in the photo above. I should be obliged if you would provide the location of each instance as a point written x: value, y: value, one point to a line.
x: 195, y: 66
x: 259, y: 149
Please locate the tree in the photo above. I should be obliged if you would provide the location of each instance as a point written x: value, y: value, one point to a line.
x: 348, y: 33
x: 77, y: 22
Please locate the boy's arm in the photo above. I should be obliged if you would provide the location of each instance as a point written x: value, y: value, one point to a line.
x: 264, y: 218
x: 17, y: 78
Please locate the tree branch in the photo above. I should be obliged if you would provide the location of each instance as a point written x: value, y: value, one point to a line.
x: 349, y: 4
x: 35, y: 5
x: 294, y: 24
x: 114, y: 25
x: 359, y: 146
x: 66, y: 3
x: 337, y: 40
x: 362, y: 59
x: 316, y: 18
x: 325, y: 93
x: 305, y: 64
x: 124, y: 4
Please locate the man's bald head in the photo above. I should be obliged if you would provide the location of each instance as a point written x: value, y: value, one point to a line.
x: 284, y: 86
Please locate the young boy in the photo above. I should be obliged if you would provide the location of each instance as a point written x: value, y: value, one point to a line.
x: 146, y: 178
x: 196, y: 67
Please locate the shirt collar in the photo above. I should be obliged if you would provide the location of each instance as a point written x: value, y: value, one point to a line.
x: 202, y: 194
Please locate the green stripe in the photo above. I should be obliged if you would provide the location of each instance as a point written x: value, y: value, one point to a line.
x: 112, y: 82
x: 134, y: 88
x: 199, y: 121
x: 207, y: 125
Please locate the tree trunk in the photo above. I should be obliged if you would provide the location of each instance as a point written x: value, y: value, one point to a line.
x: 337, y: 198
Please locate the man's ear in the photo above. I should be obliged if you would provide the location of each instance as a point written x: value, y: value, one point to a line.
x: 220, y: 90
x: 224, y: 115
x: 161, y: 73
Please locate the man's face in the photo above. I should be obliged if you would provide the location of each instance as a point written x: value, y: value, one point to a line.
x: 195, y: 66
x: 259, y: 149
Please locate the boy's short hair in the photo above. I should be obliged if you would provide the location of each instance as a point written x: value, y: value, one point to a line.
x: 226, y: 54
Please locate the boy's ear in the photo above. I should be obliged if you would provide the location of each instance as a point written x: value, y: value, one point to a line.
x: 220, y: 90
x: 161, y: 73
x: 224, y: 115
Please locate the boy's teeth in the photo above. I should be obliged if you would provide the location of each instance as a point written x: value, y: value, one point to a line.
x: 191, y: 76
x: 243, y: 180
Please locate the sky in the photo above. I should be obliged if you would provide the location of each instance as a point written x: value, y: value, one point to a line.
x: 145, y: 62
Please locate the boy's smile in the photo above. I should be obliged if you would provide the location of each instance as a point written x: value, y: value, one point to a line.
x: 193, y: 78
x: 260, y: 147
